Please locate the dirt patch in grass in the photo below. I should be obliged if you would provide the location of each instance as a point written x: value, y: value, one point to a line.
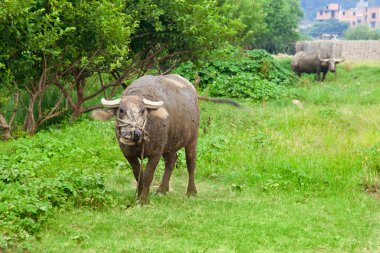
x: 373, y: 190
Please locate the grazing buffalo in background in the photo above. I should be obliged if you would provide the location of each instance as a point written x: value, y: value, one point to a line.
x: 156, y: 116
x: 313, y: 63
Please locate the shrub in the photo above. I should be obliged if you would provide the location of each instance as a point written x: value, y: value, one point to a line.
x: 34, y: 182
x: 253, y: 74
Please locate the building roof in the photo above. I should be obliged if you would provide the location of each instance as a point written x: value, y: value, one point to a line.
x: 333, y: 7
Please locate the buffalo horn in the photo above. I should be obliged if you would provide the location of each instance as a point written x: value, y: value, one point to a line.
x: 324, y: 60
x: 111, y: 103
x: 152, y: 104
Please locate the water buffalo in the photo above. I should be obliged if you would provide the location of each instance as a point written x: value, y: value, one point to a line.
x: 313, y: 63
x: 157, y: 116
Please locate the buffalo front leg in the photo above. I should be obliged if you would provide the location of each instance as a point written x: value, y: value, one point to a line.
x: 190, y: 162
x: 324, y: 76
x: 318, y: 76
x: 147, y: 179
x: 170, y: 160
x: 135, y: 164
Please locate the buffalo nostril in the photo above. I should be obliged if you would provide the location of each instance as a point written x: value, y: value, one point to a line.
x: 138, y: 134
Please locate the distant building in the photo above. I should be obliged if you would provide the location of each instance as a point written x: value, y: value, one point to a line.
x: 361, y: 15
x: 331, y: 11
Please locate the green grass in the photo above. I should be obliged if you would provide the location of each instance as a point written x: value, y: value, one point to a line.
x: 270, y: 179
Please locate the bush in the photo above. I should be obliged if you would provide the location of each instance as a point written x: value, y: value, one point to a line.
x: 34, y: 182
x: 253, y: 74
x: 362, y: 32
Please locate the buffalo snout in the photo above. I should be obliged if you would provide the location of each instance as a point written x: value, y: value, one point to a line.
x: 332, y: 67
x: 137, y: 135
x: 132, y: 134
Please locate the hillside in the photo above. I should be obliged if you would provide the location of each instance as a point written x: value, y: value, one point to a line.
x: 311, y: 6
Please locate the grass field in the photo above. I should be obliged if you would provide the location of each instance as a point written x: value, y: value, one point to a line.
x: 270, y: 178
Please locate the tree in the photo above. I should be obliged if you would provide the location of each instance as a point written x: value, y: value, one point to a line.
x: 171, y: 32
x: 328, y: 26
x: 281, y: 19
x: 65, y: 53
x: 362, y: 32
x: 46, y: 43
x: 250, y: 13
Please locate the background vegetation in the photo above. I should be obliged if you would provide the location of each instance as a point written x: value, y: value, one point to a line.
x: 252, y: 74
x: 329, y: 26
x: 362, y: 32
x: 57, y: 58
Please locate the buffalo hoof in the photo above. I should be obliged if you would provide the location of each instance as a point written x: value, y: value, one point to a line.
x: 191, y: 192
x: 144, y: 200
x: 162, y: 190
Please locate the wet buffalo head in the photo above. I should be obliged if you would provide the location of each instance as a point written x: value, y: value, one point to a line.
x: 132, y: 113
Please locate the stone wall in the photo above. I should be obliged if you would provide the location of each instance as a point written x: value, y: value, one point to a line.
x: 349, y: 49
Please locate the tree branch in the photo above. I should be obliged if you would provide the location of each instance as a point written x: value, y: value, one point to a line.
x: 91, y: 108
x: 89, y: 61
x: 52, y: 113
x: 101, y: 81
x: 65, y: 93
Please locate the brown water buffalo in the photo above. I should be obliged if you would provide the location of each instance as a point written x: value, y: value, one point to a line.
x: 313, y: 63
x: 157, y: 116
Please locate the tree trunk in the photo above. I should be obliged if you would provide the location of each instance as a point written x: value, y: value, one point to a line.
x: 29, y: 121
x: 6, y: 129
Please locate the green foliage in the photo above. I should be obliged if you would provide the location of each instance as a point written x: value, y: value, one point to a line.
x: 181, y: 30
x: 44, y: 43
x: 33, y: 184
x: 362, y: 32
x: 270, y: 25
x: 252, y: 74
x: 65, y: 43
x: 250, y: 13
x: 281, y: 19
x: 328, y: 26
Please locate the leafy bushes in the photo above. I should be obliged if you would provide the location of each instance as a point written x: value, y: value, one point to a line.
x: 252, y: 74
x: 362, y: 32
x: 36, y: 177
x: 25, y: 201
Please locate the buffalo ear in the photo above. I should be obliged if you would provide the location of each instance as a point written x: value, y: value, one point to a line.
x: 103, y: 115
x: 152, y: 104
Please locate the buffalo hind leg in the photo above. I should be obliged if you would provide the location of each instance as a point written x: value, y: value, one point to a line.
x: 170, y: 160
x: 135, y: 164
x: 190, y: 162
x: 147, y: 179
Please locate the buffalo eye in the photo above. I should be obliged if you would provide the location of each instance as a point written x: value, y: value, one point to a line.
x: 143, y: 110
